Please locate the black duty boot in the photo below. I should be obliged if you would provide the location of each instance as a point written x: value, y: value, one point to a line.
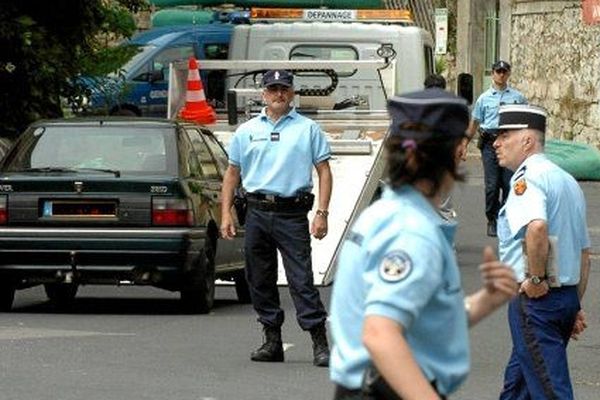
x: 491, y: 228
x: 272, y: 348
x: 320, y: 346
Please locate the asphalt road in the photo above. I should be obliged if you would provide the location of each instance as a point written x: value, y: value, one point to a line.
x: 132, y: 343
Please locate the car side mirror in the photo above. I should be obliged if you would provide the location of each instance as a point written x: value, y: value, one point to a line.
x: 465, y: 87
x: 157, y: 75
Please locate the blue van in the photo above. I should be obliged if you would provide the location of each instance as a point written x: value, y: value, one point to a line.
x: 141, y: 86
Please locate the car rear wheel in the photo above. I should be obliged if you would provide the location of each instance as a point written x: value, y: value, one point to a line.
x: 61, y: 294
x: 7, y: 296
x: 198, y: 294
x: 241, y: 287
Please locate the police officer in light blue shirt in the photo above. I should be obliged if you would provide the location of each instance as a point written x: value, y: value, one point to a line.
x: 273, y: 155
x: 397, y: 286
x: 272, y: 163
x: 545, y: 214
x: 485, y: 124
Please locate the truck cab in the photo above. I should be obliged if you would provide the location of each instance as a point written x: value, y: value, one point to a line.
x: 141, y: 86
x: 334, y: 35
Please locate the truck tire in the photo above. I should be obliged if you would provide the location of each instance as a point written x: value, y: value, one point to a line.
x: 241, y: 287
x: 7, y: 296
x: 61, y: 294
x: 198, y: 293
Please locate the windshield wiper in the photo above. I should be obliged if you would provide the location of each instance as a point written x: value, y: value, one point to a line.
x: 48, y: 169
x: 115, y: 172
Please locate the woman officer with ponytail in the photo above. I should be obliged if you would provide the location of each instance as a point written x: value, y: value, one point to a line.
x: 399, y: 316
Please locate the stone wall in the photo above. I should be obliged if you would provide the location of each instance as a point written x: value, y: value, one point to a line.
x: 556, y: 64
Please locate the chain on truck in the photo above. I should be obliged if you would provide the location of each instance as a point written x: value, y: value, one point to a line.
x: 346, y: 64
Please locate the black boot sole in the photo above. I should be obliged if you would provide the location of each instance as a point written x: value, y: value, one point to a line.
x: 321, y: 361
x: 269, y: 359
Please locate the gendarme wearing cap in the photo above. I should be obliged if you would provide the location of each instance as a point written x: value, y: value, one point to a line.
x: 501, y: 65
x: 432, y: 112
x: 522, y: 116
x: 278, y: 77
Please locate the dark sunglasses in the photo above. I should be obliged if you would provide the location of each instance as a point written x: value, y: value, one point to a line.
x: 501, y: 71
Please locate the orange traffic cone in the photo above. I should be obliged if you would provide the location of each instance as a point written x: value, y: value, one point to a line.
x: 196, y: 108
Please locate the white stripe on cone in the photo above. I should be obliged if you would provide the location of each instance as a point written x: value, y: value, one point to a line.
x: 193, y: 75
x: 195, y: 96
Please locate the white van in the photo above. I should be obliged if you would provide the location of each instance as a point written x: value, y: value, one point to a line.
x: 303, y: 38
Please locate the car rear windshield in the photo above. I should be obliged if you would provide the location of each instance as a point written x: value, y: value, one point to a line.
x: 134, y: 150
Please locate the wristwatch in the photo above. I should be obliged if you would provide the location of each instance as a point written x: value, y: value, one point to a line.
x: 536, y: 280
x: 322, y: 213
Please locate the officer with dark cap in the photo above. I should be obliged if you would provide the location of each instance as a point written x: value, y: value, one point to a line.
x: 543, y: 235
x: 485, y: 124
x: 274, y: 155
x: 398, y: 286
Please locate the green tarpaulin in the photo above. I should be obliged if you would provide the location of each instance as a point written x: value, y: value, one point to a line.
x: 579, y: 159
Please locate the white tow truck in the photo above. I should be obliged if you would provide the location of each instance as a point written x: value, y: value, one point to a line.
x: 344, y: 73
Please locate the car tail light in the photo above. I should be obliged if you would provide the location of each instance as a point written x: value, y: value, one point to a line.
x: 171, y: 212
x: 3, y: 211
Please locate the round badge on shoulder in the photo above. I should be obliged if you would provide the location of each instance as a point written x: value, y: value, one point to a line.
x: 395, y: 266
x: 520, y: 186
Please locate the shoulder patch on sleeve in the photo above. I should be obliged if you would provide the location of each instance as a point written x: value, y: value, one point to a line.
x: 520, y: 186
x: 395, y: 266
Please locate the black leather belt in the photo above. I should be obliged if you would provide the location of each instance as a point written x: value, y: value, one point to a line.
x: 303, y: 202
x: 271, y: 198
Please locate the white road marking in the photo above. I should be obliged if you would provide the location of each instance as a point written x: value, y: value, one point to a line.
x: 14, y: 333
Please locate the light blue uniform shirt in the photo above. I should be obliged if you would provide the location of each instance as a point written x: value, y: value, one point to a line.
x: 278, y: 158
x: 548, y: 193
x: 398, y: 262
x: 487, y: 105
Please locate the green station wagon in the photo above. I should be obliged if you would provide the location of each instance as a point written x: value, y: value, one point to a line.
x: 115, y: 201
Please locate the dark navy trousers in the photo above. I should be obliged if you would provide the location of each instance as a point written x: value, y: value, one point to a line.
x: 496, y: 180
x: 540, y: 329
x: 266, y: 232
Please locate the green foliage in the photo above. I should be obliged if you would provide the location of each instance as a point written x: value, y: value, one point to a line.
x: 440, y: 64
x: 47, y: 45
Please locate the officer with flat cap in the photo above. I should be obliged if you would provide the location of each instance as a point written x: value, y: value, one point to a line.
x: 485, y: 124
x: 543, y: 235
x: 397, y: 286
x: 273, y: 155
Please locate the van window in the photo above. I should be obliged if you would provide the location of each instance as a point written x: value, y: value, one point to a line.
x: 215, y: 79
x: 172, y: 54
x: 216, y: 51
x: 324, y: 52
x: 140, y: 54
